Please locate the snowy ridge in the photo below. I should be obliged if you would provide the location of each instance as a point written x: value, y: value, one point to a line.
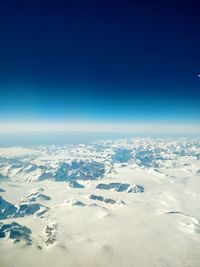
x: 102, y: 200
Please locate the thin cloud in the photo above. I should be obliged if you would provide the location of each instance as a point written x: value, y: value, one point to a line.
x: 99, y: 127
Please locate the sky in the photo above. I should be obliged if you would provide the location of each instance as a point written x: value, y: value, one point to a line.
x: 100, y: 61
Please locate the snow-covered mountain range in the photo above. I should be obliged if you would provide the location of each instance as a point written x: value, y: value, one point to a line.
x: 118, y: 201
x: 88, y: 162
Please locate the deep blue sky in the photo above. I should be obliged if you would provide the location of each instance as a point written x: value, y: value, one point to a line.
x: 100, y: 60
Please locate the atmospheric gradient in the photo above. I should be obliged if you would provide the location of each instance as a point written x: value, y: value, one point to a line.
x: 99, y: 133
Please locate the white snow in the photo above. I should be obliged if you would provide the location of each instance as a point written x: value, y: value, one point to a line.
x: 122, y: 202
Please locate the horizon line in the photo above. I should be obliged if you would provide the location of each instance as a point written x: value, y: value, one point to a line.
x: 100, y: 127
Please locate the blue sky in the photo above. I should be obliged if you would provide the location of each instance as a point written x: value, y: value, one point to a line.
x: 39, y: 104
x: 100, y: 61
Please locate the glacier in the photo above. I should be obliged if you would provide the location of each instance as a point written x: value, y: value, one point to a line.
x: 117, y: 202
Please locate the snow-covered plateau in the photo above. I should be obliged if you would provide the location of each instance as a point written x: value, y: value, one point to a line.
x: 123, y: 202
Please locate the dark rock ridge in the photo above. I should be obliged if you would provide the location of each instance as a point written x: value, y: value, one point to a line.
x: 86, y: 170
x: 33, y: 197
x: 50, y: 232
x: 2, y: 177
x: 2, y: 190
x: 148, y: 158
x: 20, y: 168
x: 135, y: 189
x: 30, y: 209
x: 106, y: 200
x: 74, y: 202
x: 121, y: 187
x: 64, y: 171
x: 16, y: 232
x: 174, y: 212
x: 8, y: 210
x: 122, y: 155
x: 75, y: 184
